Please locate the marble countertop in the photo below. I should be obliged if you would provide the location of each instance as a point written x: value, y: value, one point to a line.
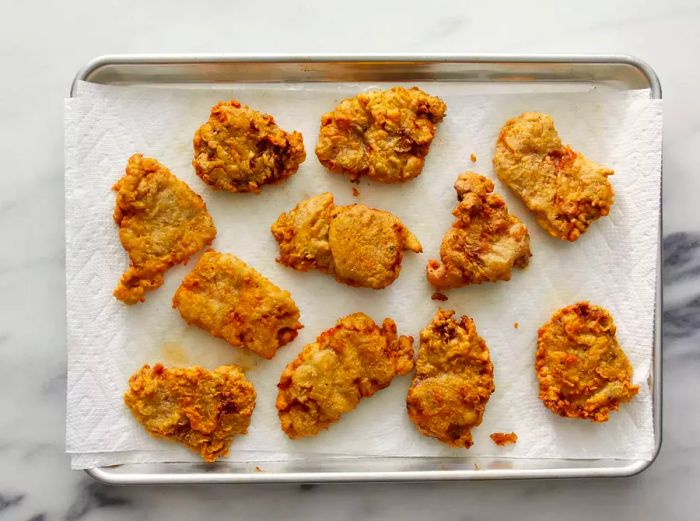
x: 44, y: 43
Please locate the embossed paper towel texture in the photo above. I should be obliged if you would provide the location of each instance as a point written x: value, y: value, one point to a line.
x: 613, y: 264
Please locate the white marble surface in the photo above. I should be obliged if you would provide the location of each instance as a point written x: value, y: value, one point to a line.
x: 42, y: 45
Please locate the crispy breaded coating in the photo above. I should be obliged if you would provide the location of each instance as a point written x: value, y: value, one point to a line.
x: 240, y: 149
x: 582, y: 370
x: 367, y: 245
x: 302, y: 234
x: 361, y: 246
x: 485, y: 243
x: 162, y: 222
x: 566, y: 190
x: 230, y: 300
x: 383, y: 134
x: 346, y: 363
x: 203, y: 410
x: 453, y: 382
x: 504, y: 438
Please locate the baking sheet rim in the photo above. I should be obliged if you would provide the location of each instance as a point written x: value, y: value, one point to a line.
x: 104, y: 475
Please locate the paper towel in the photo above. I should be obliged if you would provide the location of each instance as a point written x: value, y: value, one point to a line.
x: 613, y: 265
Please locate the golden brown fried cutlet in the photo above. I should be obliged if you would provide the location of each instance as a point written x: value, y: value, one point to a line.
x: 582, y: 370
x: 162, y: 222
x: 240, y: 149
x: 361, y: 246
x: 346, y: 363
x: 230, y: 300
x: 566, y: 190
x: 453, y: 381
x: 203, y: 410
x: 367, y: 245
x: 485, y: 243
x: 302, y: 234
x: 383, y: 134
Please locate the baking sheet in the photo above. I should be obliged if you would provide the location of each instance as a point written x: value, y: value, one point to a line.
x: 606, y: 127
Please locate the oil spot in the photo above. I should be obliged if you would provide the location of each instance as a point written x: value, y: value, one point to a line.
x: 245, y: 360
x: 173, y: 354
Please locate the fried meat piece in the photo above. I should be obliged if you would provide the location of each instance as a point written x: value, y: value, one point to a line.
x: 346, y: 363
x: 203, y: 410
x: 383, y: 134
x: 453, y: 381
x: 485, y: 243
x: 367, y: 245
x: 230, y: 300
x: 302, y: 234
x: 582, y: 370
x: 240, y: 149
x: 361, y: 246
x: 162, y: 222
x: 566, y: 190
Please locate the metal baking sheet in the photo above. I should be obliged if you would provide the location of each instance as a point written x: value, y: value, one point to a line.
x: 478, y: 73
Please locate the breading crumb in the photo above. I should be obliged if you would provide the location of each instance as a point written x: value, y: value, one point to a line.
x: 355, y: 192
x: 473, y: 157
x: 476, y: 466
x: 516, y: 325
x: 502, y: 438
x: 439, y: 296
x: 258, y: 469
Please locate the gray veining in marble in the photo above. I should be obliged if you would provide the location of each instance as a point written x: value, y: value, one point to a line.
x: 43, y: 44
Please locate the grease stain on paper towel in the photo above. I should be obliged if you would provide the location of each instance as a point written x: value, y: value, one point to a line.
x: 192, y: 346
x: 174, y: 354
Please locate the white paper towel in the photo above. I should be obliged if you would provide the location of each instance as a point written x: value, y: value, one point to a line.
x: 613, y: 265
